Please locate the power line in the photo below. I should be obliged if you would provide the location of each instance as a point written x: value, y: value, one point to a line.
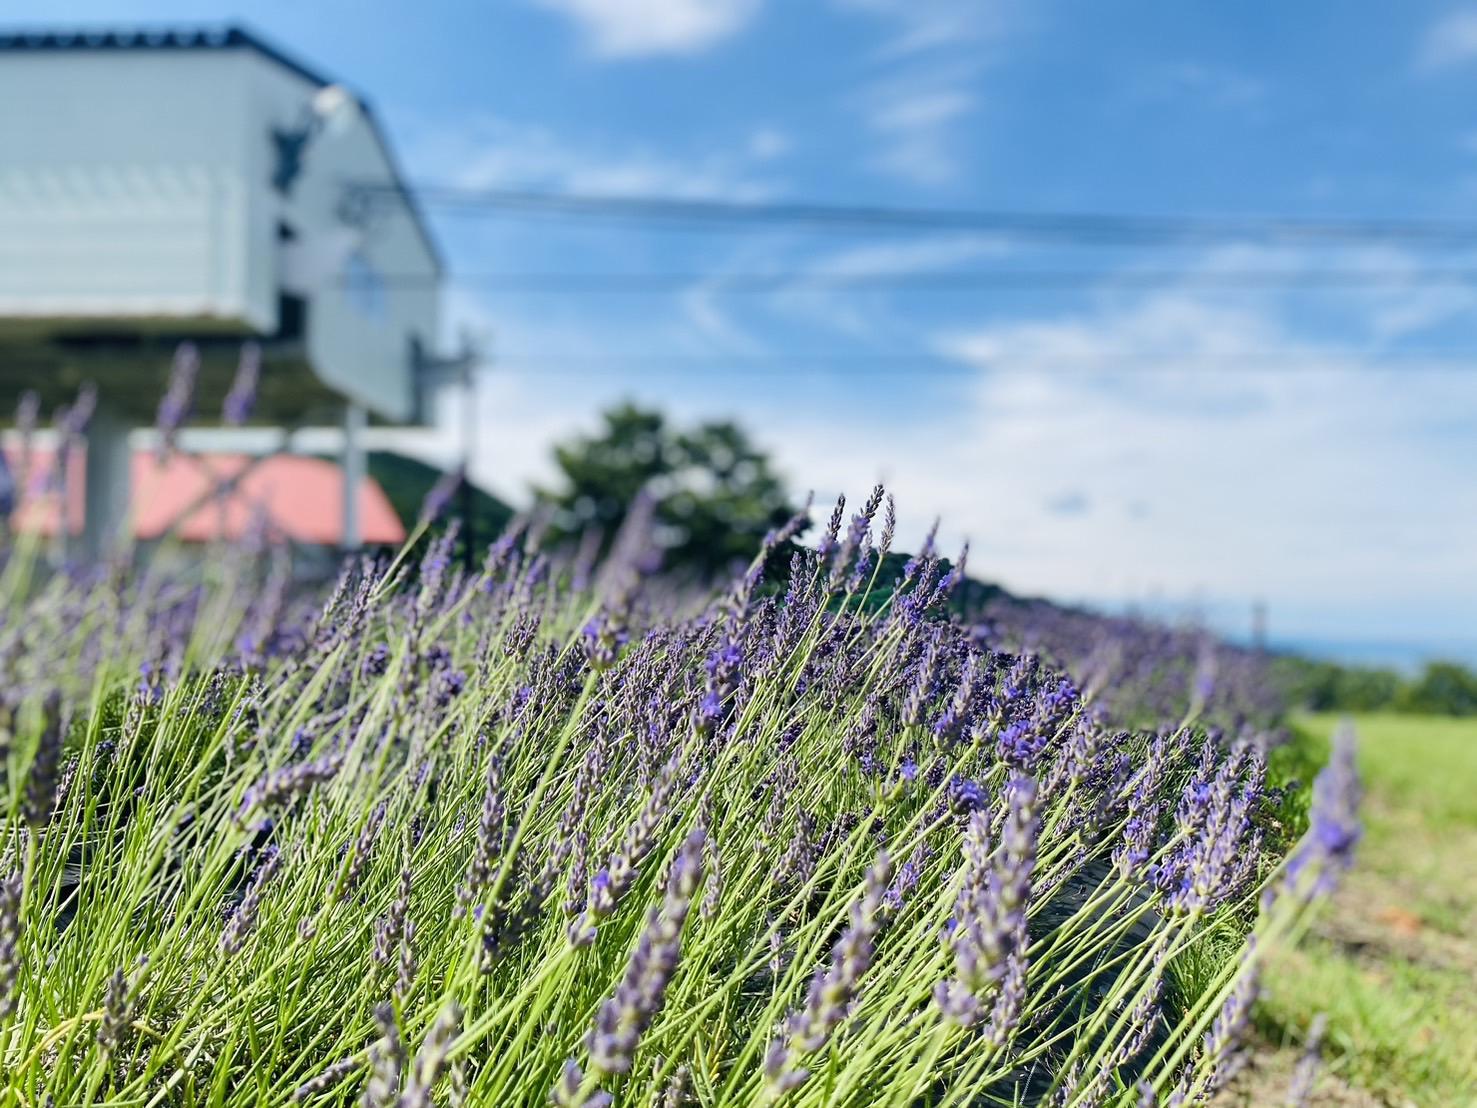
x: 1081, y: 228
x: 1445, y: 360
x: 1001, y: 280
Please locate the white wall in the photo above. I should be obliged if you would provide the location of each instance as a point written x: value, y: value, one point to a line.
x: 135, y: 187
x: 358, y: 341
x: 121, y: 186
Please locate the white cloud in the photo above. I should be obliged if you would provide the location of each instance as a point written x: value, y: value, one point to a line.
x: 1450, y: 41
x: 491, y: 152
x: 1215, y: 85
x: 637, y: 28
x: 917, y: 129
x: 929, y: 63
x: 923, y: 25
x: 844, y: 310
x: 769, y: 142
x: 1143, y: 450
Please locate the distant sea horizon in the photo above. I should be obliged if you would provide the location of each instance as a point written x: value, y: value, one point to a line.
x: 1401, y: 652
x: 1405, y: 655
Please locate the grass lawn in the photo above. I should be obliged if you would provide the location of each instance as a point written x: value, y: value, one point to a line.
x: 1394, y: 959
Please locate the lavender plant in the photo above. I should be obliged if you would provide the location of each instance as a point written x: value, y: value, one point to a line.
x: 792, y: 846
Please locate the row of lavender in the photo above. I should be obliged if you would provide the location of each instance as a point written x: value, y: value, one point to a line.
x: 1143, y: 672
x: 505, y: 838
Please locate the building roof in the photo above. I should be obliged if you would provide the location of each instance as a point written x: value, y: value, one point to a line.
x: 225, y: 37
x: 295, y: 498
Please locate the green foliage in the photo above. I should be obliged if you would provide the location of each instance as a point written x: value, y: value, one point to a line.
x: 406, y: 481
x: 1442, y: 688
x: 717, y: 492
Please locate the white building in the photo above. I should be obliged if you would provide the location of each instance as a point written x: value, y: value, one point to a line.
x: 201, y: 184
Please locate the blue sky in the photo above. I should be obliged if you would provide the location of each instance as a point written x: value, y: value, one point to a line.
x: 1170, y: 444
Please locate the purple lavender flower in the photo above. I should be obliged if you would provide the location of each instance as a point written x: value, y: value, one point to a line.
x: 446, y: 686
x: 243, y: 919
x: 440, y: 495
x: 909, y: 874
x: 492, y: 837
x: 389, y: 929
x: 377, y: 661
x: 1220, y: 851
x: 601, y: 639
x: 829, y: 998
x: 723, y: 667
x: 386, y: 1060
x: 430, y: 1059
x: 1133, y: 853
x: 949, y: 725
x: 966, y: 796
x: 988, y: 938
x: 10, y: 936
x: 572, y: 1089
x: 922, y: 689
x: 174, y: 408
x: 827, y: 545
x: 1223, y: 1043
x: 1305, y: 1075
x: 620, y: 872
x: 1021, y: 744
x: 330, y: 1077
x: 119, y: 997
x: 852, y: 545
x: 1327, y: 851
x: 41, y: 780
x: 638, y: 998
x: 236, y: 409
x: 283, y: 785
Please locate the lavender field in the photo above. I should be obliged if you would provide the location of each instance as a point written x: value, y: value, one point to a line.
x: 531, y: 834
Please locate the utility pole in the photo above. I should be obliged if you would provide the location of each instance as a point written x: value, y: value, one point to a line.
x: 353, y: 465
x: 468, y: 445
x: 107, y: 481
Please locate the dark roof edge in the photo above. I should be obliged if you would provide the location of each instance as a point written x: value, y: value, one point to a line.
x: 227, y: 37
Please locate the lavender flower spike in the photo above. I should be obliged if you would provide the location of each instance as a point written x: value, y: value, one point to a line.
x: 440, y: 495
x: 284, y: 784
x: 174, y: 408
x: 10, y: 935
x: 244, y: 918
x: 236, y: 409
x: 832, y: 990
x: 387, y: 1059
x: 430, y: 1060
x: 1333, y: 824
x: 1222, y: 1044
x: 988, y: 932
x: 1305, y: 1075
x: 569, y: 1090
x: 638, y: 998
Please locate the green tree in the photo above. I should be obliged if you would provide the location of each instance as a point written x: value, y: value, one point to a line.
x: 1443, y: 688
x: 717, y: 493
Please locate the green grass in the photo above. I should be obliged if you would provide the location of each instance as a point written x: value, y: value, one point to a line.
x: 1395, y: 959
